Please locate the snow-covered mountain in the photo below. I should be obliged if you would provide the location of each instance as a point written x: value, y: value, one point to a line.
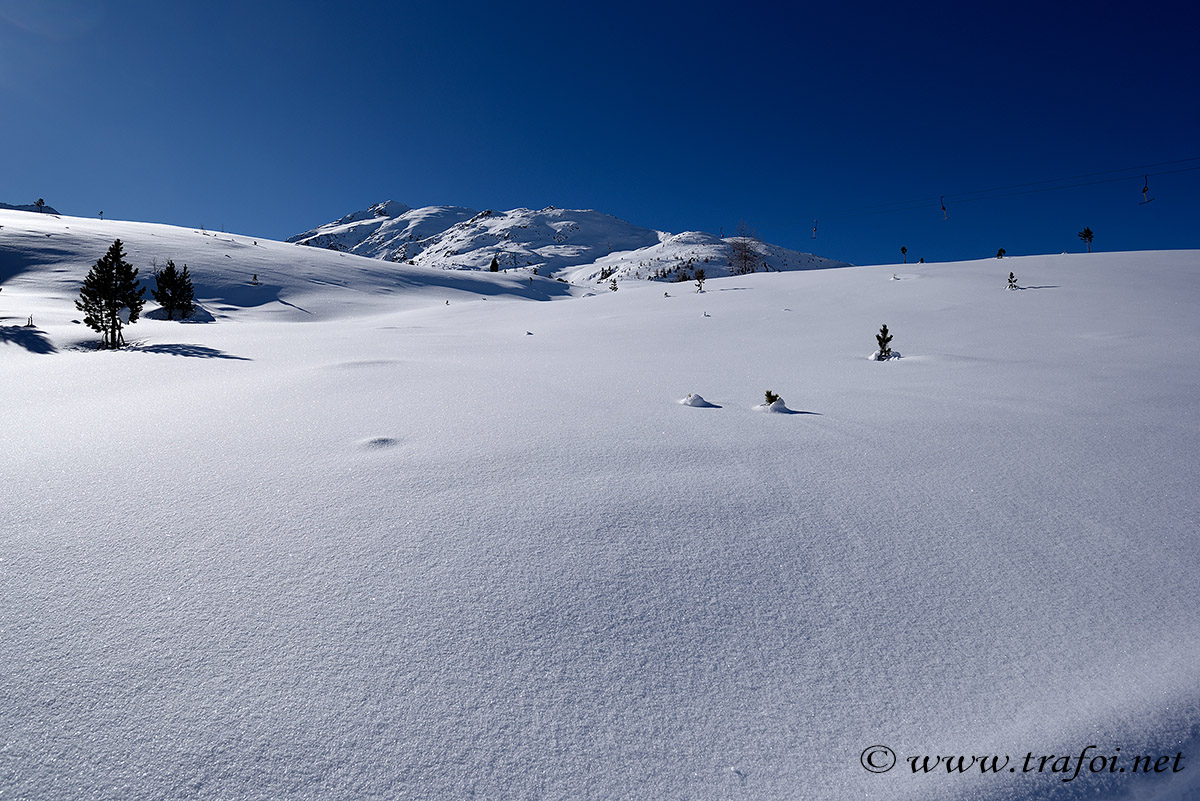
x: 373, y: 530
x: 580, y: 246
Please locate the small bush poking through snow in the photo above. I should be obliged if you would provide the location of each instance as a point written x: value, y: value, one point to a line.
x: 885, y: 352
x: 773, y: 403
x: 1012, y: 281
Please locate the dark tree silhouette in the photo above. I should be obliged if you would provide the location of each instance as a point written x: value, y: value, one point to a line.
x: 1086, y: 235
x: 110, y: 287
x: 884, y: 339
x: 174, y: 291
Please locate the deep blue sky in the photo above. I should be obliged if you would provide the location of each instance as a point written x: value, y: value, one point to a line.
x: 268, y: 118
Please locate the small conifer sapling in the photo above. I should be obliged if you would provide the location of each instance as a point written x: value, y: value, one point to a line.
x: 884, y: 339
x: 772, y: 397
x: 1012, y: 281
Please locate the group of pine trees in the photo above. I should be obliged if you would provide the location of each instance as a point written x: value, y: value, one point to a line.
x: 112, y: 297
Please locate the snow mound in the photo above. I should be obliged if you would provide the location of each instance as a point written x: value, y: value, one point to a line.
x: 775, y: 407
x: 698, y: 402
x: 875, y: 357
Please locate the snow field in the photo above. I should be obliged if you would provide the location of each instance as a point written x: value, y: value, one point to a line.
x: 373, y: 546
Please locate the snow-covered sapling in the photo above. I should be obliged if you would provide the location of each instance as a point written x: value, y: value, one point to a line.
x: 613, y: 285
x: 1000, y: 253
x: 1012, y: 281
x: 495, y: 265
x: 700, y: 280
x: 772, y: 397
x: 884, y: 339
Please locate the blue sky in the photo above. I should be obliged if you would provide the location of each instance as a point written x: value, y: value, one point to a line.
x: 268, y: 118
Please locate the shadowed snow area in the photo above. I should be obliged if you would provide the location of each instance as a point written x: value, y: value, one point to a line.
x: 389, y: 547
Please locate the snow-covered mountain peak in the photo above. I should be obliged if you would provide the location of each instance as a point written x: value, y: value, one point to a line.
x: 577, y: 245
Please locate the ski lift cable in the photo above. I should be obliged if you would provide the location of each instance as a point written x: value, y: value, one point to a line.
x: 1074, y: 186
x: 987, y: 194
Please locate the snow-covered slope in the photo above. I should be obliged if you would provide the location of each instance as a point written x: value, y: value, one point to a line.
x: 405, y: 549
x: 29, y: 207
x: 233, y: 274
x: 580, y: 246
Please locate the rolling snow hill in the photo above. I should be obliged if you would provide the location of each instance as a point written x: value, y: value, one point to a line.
x: 341, y: 539
x: 579, y: 246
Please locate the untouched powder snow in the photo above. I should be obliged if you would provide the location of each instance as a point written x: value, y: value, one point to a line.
x: 348, y: 541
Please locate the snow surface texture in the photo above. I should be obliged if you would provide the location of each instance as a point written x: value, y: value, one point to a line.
x: 346, y: 541
x: 580, y: 246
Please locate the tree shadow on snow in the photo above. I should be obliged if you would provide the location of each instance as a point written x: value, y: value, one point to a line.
x: 31, y: 339
x: 192, y: 351
x: 1046, y: 286
x: 199, y: 315
x: 786, y: 410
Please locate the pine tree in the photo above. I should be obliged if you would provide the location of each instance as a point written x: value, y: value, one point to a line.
x: 1000, y: 253
x: 495, y: 265
x: 174, y: 292
x: 41, y: 204
x: 904, y: 253
x: 612, y: 284
x: 700, y: 277
x: 1086, y: 235
x: 1012, y: 281
x: 110, y: 287
x: 884, y: 339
